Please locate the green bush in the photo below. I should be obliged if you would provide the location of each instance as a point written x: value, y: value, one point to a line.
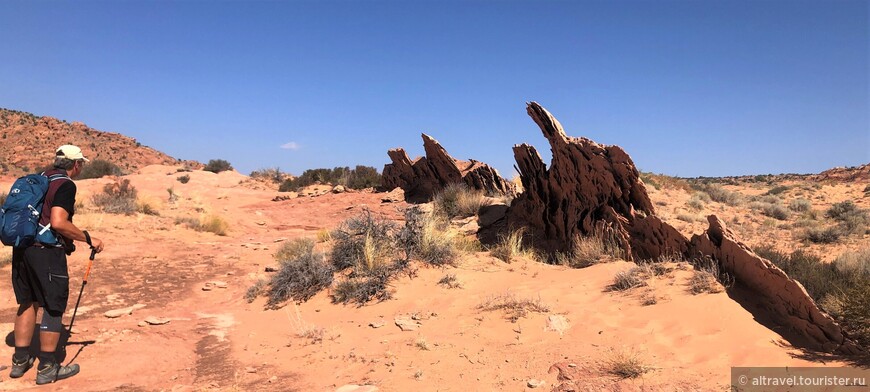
x: 183, y: 179
x: 118, y: 197
x: 99, y: 168
x: 358, y: 178
x: 217, y: 166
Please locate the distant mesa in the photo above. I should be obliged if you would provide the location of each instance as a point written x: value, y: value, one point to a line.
x: 28, y: 144
x: 422, y: 178
x: 858, y: 173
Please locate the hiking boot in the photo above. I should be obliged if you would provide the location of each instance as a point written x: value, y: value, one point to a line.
x: 19, y: 368
x: 55, y: 372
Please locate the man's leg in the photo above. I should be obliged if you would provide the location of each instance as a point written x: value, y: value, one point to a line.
x: 25, y: 319
x: 49, y: 334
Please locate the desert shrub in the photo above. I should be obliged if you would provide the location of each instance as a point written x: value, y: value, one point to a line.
x: 800, y: 205
x: 118, y: 197
x: 719, y: 194
x: 852, y: 220
x: 591, y: 250
x: 818, y: 278
x: 458, y: 200
x: 842, y: 210
x: 183, y: 179
x: 363, y: 242
x: 688, y: 217
x: 294, y: 248
x: 99, y: 168
x: 778, y: 189
x: 661, y: 181
x: 362, y: 177
x: 511, y: 246
x: 855, y: 264
x: 270, y: 174
x: 450, y: 281
x: 427, y: 237
x: 822, y: 235
x: 773, y: 210
x: 358, y: 178
x: 626, y: 364
x: 300, y: 278
x: 698, y: 200
x: 705, y: 279
x: 362, y: 289
x: 513, y: 306
x: 212, y: 224
x: 855, y: 313
x: 146, y: 208
x: 217, y: 166
x: 255, y: 290
x: 629, y: 279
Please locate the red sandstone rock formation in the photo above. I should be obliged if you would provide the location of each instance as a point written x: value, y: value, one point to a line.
x: 588, y: 188
x: 423, y: 177
x: 28, y: 144
x: 785, y: 298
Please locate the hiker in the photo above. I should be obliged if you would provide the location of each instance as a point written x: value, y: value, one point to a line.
x: 40, y: 277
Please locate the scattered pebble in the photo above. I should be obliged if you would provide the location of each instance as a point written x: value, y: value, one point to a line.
x: 535, y: 383
x: 157, y: 320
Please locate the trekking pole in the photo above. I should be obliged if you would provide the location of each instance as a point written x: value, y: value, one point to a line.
x: 84, y: 282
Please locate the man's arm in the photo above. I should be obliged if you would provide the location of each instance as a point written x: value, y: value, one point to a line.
x: 60, y: 223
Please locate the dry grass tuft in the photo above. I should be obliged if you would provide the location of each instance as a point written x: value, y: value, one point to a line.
x: 511, y: 247
x: 626, y: 364
x: 450, y: 281
x: 513, y: 306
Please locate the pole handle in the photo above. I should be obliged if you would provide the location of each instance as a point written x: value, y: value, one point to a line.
x: 90, y: 263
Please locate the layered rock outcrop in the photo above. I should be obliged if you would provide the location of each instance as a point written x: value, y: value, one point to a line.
x: 422, y: 178
x: 588, y: 189
x: 784, y: 298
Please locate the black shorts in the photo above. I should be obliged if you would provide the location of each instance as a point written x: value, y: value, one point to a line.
x: 40, y: 275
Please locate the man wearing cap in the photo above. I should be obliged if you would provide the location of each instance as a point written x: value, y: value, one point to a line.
x: 39, y: 273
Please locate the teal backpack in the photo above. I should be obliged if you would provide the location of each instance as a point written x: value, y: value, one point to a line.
x: 19, y: 216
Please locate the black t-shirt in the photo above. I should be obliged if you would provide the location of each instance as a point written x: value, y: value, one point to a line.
x: 65, y: 197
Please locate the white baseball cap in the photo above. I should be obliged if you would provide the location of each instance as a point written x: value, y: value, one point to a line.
x: 69, y: 151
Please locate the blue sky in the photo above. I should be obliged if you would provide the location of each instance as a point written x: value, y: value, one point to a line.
x: 689, y: 88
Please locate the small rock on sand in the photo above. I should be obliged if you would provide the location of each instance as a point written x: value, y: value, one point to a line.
x: 532, y: 383
x: 407, y: 324
x: 124, y: 311
x: 157, y: 320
